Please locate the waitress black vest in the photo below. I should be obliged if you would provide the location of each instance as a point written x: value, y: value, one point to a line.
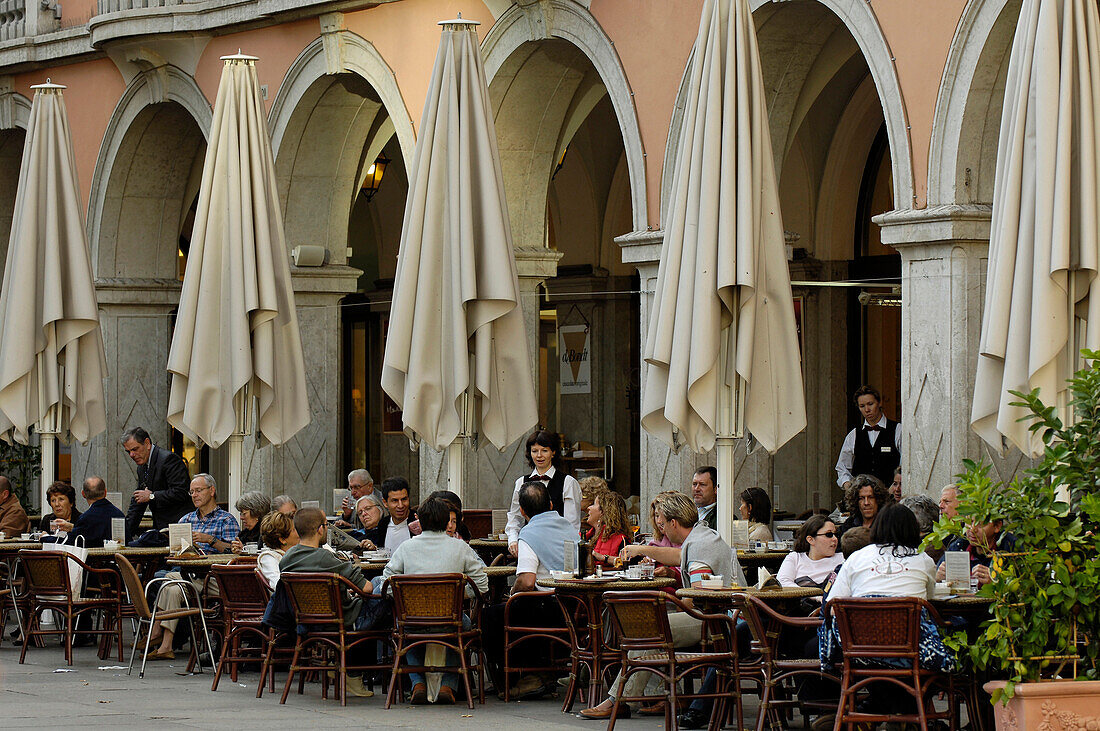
x: 555, y: 488
x: 880, y: 460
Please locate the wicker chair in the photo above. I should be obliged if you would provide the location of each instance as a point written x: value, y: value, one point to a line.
x: 578, y: 627
x: 244, y: 598
x: 774, y: 673
x: 522, y: 634
x: 873, y: 629
x: 48, y: 587
x: 640, y: 619
x: 317, y: 601
x: 147, y: 616
x: 427, y: 609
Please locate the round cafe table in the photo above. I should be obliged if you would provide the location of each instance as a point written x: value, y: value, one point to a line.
x: 490, y: 548
x: 719, y: 599
x: 590, y: 594
x: 751, y: 561
x: 146, y: 559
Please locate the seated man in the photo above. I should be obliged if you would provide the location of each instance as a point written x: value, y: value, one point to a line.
x: 435, y: 552
x: 309, y: 556
x: 212, y: 531
x: 94, y: 524
x: 540, y: 549
x: 394, y: 528
x: 13, y: 519
x: 360, y: 485
x: 702, y: 552
x: 980, y: 541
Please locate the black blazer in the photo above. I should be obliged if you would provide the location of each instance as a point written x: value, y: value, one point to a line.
x: 95, y: 523
x: 383, y: 527
x: 166, y: 475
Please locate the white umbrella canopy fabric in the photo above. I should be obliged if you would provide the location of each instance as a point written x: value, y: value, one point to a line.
x: 236, y: 335
x: 456, y: 337
x: 723, y: 317
x: 52, y: 361
x: 1042, y: 300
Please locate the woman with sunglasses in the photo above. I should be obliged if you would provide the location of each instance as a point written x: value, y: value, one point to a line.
x: 814, y: 556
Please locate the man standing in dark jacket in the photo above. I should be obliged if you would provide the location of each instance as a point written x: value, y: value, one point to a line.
x: 162, y: 485
x: 95, y: 522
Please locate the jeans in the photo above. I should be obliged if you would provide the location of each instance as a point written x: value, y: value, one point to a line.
x: 415, y: 656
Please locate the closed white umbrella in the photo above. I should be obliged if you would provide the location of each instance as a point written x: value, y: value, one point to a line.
x: 722, y: 346
x: 1042, y: 300
x: 52, y: 362
x: 456, y: 350
x: 236, y: 337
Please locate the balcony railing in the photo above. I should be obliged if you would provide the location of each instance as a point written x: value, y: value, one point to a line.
x: 114, y: 6
x: 12, y: 19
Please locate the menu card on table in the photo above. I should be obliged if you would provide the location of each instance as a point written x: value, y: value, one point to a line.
x: 500, y: 521
x: 179, y: 536
x: 741, y: 534
x: 118, y: 530
x: 957, y: 565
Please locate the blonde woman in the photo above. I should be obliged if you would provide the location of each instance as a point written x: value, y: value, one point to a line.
x: 278, y: 534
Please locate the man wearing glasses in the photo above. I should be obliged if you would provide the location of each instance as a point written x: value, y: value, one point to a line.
x: 212, y: 529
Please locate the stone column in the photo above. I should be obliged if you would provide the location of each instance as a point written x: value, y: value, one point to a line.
x: 310, y: 465
x: 490, y: 473
x: 659, y: 468
x: 135, y: 315
x: 944, y: 252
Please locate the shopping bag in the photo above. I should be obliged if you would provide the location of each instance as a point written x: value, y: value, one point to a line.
x: 76, y: 571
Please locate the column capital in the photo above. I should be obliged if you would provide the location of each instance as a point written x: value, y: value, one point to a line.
x: 537, y: 262
x: 641, y: 247
x: 938, y: 224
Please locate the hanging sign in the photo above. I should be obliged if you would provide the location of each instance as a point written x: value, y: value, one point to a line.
x: 574, y: 355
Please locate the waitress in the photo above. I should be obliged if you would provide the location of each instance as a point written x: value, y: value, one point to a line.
x: 543, y: 456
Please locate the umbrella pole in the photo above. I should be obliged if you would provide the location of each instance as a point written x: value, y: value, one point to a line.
x: 242, y: 407
x: 48, y: 443
x: 730, y: 428
x: 456, y: 453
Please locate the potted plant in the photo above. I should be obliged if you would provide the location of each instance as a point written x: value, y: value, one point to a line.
x: 1044, y: 627
x: 22, y: 464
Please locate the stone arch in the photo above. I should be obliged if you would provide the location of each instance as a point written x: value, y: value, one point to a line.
x: 156, y: 133
x: 15, y: 114
x: 860, y: 22
x: 356, y: 55
x: 570, y: 21
x: 962, y: 157
x: 349, y: 110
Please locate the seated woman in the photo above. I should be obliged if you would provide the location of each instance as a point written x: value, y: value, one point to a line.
x: 252, y: 506
x: 62, y: 497
x: 660, y: 540
x: 278, y: 534
x: 590, y: 486
x: 891, y: 566
x: 756, y: 507
x: 814, y: 557
x: 284, y: 504
x: 608, y: 514
x: 370, y: 515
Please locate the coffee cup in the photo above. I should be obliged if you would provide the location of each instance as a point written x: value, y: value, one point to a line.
x: 634, y: 572
x: 942, y: 590
x: 25, y: 536
x: 110, y: 545
x: 760, y: 547
x: 252, y: 548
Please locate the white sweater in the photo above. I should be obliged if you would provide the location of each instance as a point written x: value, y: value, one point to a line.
x: 437, y: 553
x: 876, y: 571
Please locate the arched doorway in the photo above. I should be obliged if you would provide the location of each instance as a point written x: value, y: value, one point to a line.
x: 835, y: 155
x: 567, y: 180
x: 341, y: 170
x: 11, y: 155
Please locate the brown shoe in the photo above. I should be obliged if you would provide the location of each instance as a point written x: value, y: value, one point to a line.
x: 445, y: 697
x: 419, y: 695
x: 652, y: 709
x: 157, y: 655
x: 597, y: 714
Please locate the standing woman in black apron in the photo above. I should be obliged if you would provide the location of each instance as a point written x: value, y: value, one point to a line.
x: 544, y: 459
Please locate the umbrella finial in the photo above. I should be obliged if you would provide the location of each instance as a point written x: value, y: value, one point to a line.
x: 240, y: 57
x: 48, y: 86
x: 459, y: 21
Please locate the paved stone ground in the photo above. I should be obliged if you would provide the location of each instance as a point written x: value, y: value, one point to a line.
x: 98, y: 694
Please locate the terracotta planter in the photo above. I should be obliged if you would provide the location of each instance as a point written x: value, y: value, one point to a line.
x: 1062, y: 705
